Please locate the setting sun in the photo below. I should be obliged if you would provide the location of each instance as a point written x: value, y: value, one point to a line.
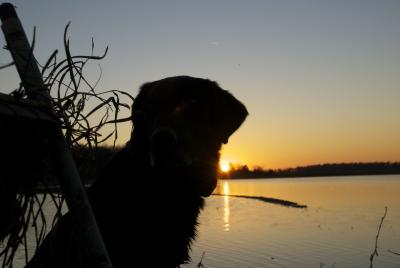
x: 224, y: 166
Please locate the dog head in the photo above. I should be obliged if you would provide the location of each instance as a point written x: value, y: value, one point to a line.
x: 183, y: 121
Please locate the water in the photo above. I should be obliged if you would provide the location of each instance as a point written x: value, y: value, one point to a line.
x: 338, y: 228
x: 49, y: 211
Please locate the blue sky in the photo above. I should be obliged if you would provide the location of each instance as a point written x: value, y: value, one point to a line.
x: 320, y: 78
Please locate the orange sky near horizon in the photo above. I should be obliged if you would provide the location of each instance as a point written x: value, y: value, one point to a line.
x: 315, y: 143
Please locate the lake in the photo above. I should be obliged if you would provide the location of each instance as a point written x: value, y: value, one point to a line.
x: 337, y: 229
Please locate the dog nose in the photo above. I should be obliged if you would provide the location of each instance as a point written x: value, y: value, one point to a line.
x: 163, y: 144
x: 163, y: 138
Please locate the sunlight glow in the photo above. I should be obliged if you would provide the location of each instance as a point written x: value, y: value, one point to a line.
x: 224, y: 166
x: 227, y: 211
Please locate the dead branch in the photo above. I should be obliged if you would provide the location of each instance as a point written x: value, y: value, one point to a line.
x: 375, y: 252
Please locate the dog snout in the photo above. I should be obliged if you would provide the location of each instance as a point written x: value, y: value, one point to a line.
x: 163, y: 138
x: 163, y: 144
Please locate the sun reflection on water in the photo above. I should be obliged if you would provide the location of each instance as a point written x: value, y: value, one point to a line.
x: 226, y: 206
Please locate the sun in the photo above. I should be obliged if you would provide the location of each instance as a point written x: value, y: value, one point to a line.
x: 224, y: 166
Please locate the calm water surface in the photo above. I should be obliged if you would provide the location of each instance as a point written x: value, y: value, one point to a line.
x: 338, y: 228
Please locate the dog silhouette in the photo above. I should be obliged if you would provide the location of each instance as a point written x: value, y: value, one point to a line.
x: 148, y: 198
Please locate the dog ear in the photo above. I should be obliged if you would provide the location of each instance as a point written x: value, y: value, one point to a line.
x: 138, y: 115
x: 139, y: 104
x: 230, y: 114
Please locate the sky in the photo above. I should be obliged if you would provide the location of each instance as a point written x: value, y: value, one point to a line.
x: 320, y: 78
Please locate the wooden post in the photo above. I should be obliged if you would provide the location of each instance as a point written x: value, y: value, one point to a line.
x: 71, y: 185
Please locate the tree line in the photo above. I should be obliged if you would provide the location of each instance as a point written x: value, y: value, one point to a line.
x: 319, y: 170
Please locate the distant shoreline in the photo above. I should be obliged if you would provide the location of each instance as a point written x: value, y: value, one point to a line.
x: 99, y: 157
x: 302, y: 177
x: 323, y: 170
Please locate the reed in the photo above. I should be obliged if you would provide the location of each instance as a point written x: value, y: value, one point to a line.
x: 84, y: 114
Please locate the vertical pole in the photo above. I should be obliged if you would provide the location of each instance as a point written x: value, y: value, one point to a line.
x: 71, y: 185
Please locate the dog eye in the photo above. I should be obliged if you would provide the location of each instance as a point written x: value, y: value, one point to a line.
x: 184, y: 106
x: 179, y: 108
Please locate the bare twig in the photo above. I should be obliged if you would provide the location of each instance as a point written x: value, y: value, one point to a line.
x: 375, y: 252
x: 395, y: 253
x: 7, y: 65
x: 200, y: 264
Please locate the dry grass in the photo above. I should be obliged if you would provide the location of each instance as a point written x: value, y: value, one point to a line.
x: 83, y: 114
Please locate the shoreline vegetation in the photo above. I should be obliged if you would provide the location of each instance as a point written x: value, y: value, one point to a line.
x: 91, y: 161
x: 319, y: 170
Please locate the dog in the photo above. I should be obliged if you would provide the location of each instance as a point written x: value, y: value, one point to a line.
x: 148, y: 198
